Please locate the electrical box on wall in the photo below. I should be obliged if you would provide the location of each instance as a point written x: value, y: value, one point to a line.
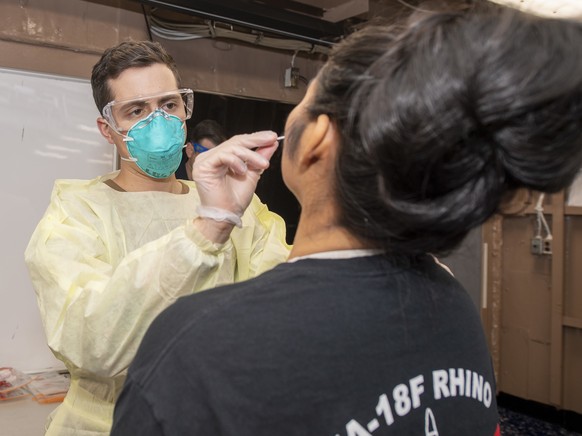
x: 291, y: 75
x: 541, y: 245
x: 536, y: 245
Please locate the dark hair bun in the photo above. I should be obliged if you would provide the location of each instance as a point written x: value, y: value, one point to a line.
x: 447, y: 115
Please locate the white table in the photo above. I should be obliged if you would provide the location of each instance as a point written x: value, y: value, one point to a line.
x: 24, y: 417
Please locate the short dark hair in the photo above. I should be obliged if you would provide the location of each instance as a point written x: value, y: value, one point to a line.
x: 129, y: 54
x: 443, y: 115
x: 208, y: 129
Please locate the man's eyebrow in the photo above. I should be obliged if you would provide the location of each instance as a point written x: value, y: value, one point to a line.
x: 142, y: 102
x: 132, y: 103
x: 166, y: 98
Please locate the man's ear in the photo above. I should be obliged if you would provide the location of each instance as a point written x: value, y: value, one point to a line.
x: 105, y: 130
x: 319, y: 141
x: 189, y: 149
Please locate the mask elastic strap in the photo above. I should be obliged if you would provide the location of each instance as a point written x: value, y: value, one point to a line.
x: 128, y: 159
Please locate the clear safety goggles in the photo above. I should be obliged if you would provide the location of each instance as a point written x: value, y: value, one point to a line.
x: 122, y: 114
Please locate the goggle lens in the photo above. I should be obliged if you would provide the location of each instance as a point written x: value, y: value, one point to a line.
x: 122, y: 114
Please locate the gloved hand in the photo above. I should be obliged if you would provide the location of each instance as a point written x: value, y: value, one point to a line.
x: 226, y: 176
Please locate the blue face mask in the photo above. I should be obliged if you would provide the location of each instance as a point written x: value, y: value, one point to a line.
x: 155, y: 143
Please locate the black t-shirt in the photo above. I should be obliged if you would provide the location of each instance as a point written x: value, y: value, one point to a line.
x: 362, y: 346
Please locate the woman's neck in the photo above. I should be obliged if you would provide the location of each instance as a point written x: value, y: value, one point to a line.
x: 316, y: 236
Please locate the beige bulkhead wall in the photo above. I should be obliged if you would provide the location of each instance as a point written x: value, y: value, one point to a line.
x: 533, y: 315
x: 67, y: 37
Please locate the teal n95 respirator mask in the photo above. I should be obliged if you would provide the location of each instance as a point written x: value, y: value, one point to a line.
x: 155, y: 143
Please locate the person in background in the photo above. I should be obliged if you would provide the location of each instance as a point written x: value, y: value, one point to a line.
x: 111, y: 253
x: 410, y: 136
x: 205, y: 135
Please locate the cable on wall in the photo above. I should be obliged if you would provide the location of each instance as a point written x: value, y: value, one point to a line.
x: 210, y: 29
x: 541, y: 244
x: 147, y: 23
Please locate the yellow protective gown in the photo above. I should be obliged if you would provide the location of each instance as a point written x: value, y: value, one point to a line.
x: 104, y: 263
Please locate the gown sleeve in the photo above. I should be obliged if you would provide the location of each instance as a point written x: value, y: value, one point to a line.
x: 97, y: 301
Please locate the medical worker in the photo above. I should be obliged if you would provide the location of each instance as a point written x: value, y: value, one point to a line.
x: 205, y: 135
x: 111, y: 253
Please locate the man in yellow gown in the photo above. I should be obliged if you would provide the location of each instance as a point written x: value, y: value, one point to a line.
x: 111, y: 253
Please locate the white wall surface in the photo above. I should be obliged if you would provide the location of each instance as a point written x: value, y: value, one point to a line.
x: 47, y: 131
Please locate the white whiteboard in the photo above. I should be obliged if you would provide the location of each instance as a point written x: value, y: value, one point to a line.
x: 48, y: 131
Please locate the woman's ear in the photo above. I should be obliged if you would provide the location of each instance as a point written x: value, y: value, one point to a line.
x: 319, y: 140
x: 105, y: 130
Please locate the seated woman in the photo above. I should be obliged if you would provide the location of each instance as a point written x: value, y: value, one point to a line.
x: 410, y: 136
